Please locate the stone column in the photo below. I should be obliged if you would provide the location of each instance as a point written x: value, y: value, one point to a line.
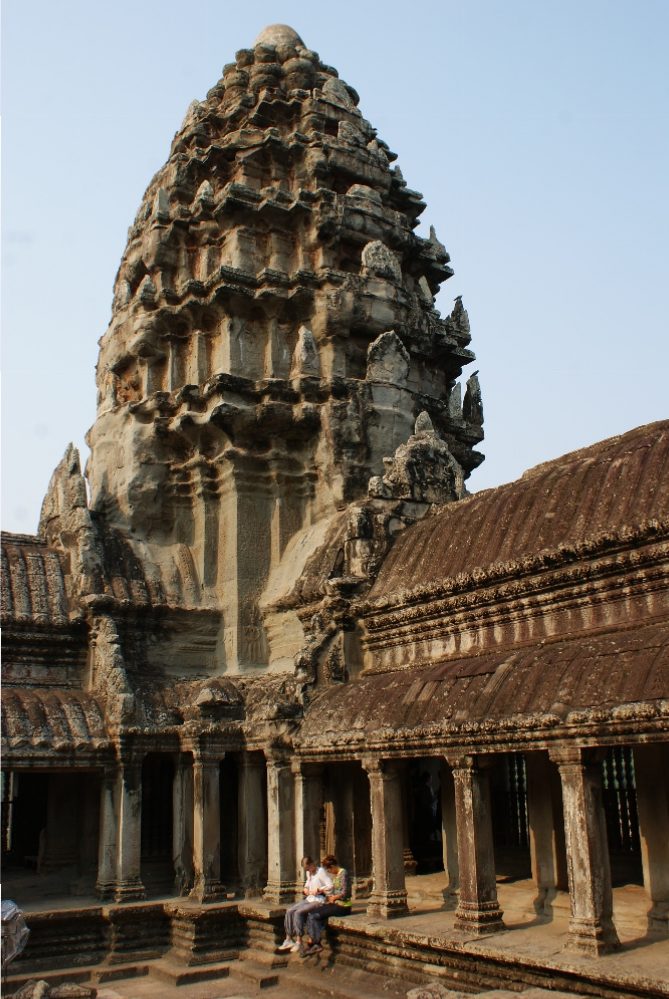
x: 106, y: 880
x: 591, y: 928
x: 308, y: 801
x: 280, y: 887
x: 389, y: 897
x: 543, y: 829
x: 207, y: 885
x: 128, y: 795
x: 182, y: 824
x: 362, y: 834
x: 252, y: 824
x: 449, y: 838
x: 478, y: 909
x: 651, y: 769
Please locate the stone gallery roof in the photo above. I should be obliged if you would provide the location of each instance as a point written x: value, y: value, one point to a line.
x: 33, y: 582
x: 542, y: 691
x: 593, y: 495
x: 52, y: 722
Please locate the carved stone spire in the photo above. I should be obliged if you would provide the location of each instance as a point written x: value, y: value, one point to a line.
x: 236, y: 404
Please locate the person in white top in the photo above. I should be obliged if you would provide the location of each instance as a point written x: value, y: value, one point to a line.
x: 317, y: 885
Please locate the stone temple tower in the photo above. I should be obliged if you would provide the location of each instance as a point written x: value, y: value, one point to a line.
x: 273, y: 339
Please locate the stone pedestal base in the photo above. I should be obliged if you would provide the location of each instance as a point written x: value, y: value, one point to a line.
x: 280, y: 893
x: 658, y: 920
x: 105, y: 890
x: 387, y: 905
x: 128, y: 891
x: 590, y: 937
x: 480, y: 918
x: 410, y: 863
x: 451, y: 897
x: 208, y: 891
x: 543, y: 902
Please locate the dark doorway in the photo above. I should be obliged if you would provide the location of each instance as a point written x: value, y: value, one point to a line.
x: 508, y: 803
x: 26, y: 805
x: 346, y: 822
x: 622, y: 820
x: 50, y: 833
x: 157, y: 821
x: 229, y: 798
x: 422, y: 805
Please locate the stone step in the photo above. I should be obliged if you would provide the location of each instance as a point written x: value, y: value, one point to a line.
x: 257, y: 972
x: 269, y: 959
x: 78, y: 975
x: 320, y: 979
x: 166, y: 970
x: 115, y: 972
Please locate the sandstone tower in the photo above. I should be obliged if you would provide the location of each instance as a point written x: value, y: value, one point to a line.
x: 273, y: 339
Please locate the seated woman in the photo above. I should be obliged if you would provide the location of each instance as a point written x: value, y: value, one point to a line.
x: 317, y: 885
x: 338, y: 903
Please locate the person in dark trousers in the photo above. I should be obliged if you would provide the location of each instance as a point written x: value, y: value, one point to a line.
x: 317, y: 887
x: 337, y: 903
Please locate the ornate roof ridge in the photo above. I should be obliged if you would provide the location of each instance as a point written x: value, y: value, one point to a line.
x: 9, y: 537
x: 649, y: 530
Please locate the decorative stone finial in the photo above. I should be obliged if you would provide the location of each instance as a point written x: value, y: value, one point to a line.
x: 305, y: 356
x: 278, y: 34
x: 388, y: 360
x: 472, y: 406
x: 378, y: 259
x: 424, y: 425
x: 421, y: 471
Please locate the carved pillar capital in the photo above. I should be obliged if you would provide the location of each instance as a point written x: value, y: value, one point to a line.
x: 380, y: 769
x: 306, y: 771
x: 278, y: 759
x: 577, y: 756
x: 462, y: 761
x: 204, y: 749
x: 567, y: 756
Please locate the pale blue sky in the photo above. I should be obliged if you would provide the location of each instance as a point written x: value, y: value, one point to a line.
x: 537, y: 132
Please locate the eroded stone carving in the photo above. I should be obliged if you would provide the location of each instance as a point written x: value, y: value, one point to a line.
x: 250, y: 320
x: 388, y: 360
x: 423, y: 470
x: 472, y: 406
x: 378, y: 259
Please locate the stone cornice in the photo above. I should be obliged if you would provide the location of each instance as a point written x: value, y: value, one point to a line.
x: 615, y: 562
x: 625, y: 724
x: 633, y: 536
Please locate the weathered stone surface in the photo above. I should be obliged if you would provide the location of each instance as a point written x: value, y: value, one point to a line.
x: 42, y: 990
x: 435, y: 990
x: 233, y: 383
x: 279, y: 598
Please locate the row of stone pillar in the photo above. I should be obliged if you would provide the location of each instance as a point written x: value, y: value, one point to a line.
x: 293, y: 803
x: 196, y: 839
x: 472, y: 868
